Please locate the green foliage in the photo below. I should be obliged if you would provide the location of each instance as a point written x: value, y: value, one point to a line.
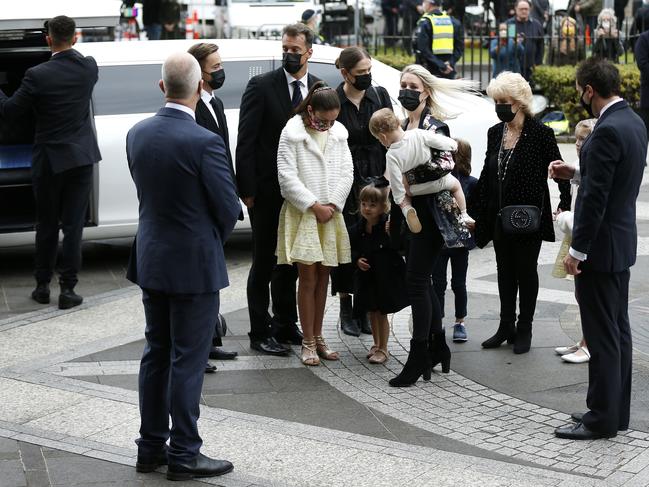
x: 398, y: 59
x: 558, y: 85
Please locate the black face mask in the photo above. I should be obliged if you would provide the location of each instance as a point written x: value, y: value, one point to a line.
x: 216, y: 79
x: 587, y: 106
x: 504, y: 112
x: 409, y: 99
x: 363, y: 81
x: 291, y: 62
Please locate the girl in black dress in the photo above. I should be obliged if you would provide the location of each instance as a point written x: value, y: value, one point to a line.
x: 358, y: 101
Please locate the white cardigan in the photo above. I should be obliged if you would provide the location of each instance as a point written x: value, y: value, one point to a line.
x: 305, y: 174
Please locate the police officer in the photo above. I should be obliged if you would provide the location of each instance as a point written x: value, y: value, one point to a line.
x: 439, y: 40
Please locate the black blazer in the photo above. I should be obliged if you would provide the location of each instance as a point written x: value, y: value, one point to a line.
x: 265, y: 109
x: 187, y: 205
x: 57, y: 93
x: 526, y: 181
x: 611, y: 165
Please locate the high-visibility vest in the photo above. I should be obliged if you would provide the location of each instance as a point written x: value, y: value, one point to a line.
x: 442, y: 33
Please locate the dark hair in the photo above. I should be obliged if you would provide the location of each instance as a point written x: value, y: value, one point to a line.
x: 601, y: 75
x: 321, y: 98
x: 61, y: 29
x: 375, y: 194
x: 462, y: 157
x: 350, y: 57
x: 294, y: 30
x: 201, y: 50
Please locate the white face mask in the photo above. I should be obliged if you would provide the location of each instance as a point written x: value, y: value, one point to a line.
x: 606, y: 25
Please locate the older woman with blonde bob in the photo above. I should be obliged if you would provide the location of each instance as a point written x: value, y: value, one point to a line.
x: 519, y: 151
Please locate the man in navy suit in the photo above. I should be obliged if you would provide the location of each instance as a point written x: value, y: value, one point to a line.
x: 188, y: 207
x: 604, y: 242
x: 57, y: 93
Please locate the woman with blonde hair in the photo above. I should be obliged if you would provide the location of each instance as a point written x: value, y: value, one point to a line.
x: 512, y: 206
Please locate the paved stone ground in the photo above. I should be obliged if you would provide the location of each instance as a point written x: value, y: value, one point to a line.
x: 68, y: 401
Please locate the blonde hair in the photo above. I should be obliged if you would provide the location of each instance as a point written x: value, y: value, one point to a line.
x: 436, y: 86
x: 512, y: 85
x: 586, y: 125
x: 383, y: 121
x: 372, y: 194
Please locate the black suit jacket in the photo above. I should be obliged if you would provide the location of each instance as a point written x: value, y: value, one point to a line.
x: 265, y: 109
x: 642, y: 59
x: 57, y: 93
x: 611, y: 165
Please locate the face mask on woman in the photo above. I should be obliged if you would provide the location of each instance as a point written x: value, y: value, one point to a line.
x: 504, y: 112
x: 362, y: 81
x: 409, y: 99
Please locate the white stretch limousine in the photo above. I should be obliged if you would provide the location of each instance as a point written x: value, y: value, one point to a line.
x: 128, y: 91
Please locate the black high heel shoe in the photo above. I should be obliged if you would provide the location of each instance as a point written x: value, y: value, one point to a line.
x: 418, y: 364
x: 439, y: 352
x: 505, y: 332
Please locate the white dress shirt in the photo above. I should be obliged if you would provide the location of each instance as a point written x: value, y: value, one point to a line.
x: 182, y: 108
x: 207, y: 98
x: 304, y: 87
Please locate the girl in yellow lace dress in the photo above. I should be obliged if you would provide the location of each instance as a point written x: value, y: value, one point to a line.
x: 315, y: 172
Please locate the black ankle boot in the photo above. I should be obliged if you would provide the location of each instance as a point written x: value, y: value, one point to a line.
x: 523, y: 340
x: 418, y: 364
x: 42, y: 293
x: 347, y: 322
x: 364, y: 324
x: 68, y: 298
x: 439, y: 352
x: 506, y: 332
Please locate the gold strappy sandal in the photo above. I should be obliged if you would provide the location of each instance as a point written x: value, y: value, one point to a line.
x: 380, y: 357
x: 324, y: 351
x: 373, y: 349
x: 309, y: 353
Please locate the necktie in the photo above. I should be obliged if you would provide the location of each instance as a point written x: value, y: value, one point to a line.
x: 216, y: 110
x: 297, y: 93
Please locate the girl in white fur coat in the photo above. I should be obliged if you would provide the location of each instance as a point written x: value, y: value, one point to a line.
x: 315, y: 172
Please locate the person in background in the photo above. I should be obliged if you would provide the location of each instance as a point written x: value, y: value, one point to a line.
x: 607, y: 37
x: 642, y: 60
x: 170, y: 19
x: 410, y: 11
x: 507, y: 53
x: 151, y: 18
x: 358, y: 101
x: 379, y: 281
x: 567, y: 48
x: 315, y: 171
x: 459, y: 257
x: 588, y: 10
x: 390, y: 10
x: 439, y: 40
x: 311, y: 19
x: 641, y: 18
x: 530, y: 32
x: 541, y: 11
x: 211, y: 115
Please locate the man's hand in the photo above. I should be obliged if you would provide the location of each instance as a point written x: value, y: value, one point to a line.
x: 561, y: 170
x: 249, y: 201
x: 362, y: 264
x: 570, y: 264
x: 323, y: 213
x: 448, y: 69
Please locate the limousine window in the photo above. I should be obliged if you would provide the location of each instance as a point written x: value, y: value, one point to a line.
x: 129, y: 89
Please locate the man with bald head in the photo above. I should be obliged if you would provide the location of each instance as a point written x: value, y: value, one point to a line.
x: 187, y: 207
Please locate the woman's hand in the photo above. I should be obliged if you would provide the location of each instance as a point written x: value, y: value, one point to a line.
x: 362, y: 264
x: 323, y: 213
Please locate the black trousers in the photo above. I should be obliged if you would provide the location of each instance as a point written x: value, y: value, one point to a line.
x: 423, y: 250
x: 459, y: 265
x: 517, y: 277
x: 178, y: 332
x: 264, y: 218
x: 604, y: 300
x: 61, y: 203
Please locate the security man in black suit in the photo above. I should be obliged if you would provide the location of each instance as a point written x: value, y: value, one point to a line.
x: 604, y: 242
x: 211, y: 115
x: 266, y: 106
x: 58, y: 93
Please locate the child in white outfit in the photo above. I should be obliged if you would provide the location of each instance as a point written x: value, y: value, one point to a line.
x: 420, y: 150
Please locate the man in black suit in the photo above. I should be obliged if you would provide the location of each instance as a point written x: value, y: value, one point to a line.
x: 57, y: 93
x: 188, y: 206
x: 266, y: 106
x: 604, y: 242
x: 642, y: 60
x: 211, y: 115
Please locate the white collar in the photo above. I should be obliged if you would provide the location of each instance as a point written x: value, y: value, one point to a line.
x: 206, y: 96
x: 182, y: 108
x: 609, y: 105
x: 304, y: 79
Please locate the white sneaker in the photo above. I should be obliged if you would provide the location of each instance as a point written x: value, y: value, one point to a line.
x: 581, y: 356
x: 567, y: 350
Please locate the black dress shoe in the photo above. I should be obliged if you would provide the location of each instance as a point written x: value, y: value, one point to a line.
x: 217, y: 353
x: 68, y: 298
x: 148, y: 463
x: 580, y: 432
x: 269, y: 346
x: 577, y: 417
x: 199, y: 467
x: 42, y: 293
x: 210, y: 368
x: 287, y: 333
